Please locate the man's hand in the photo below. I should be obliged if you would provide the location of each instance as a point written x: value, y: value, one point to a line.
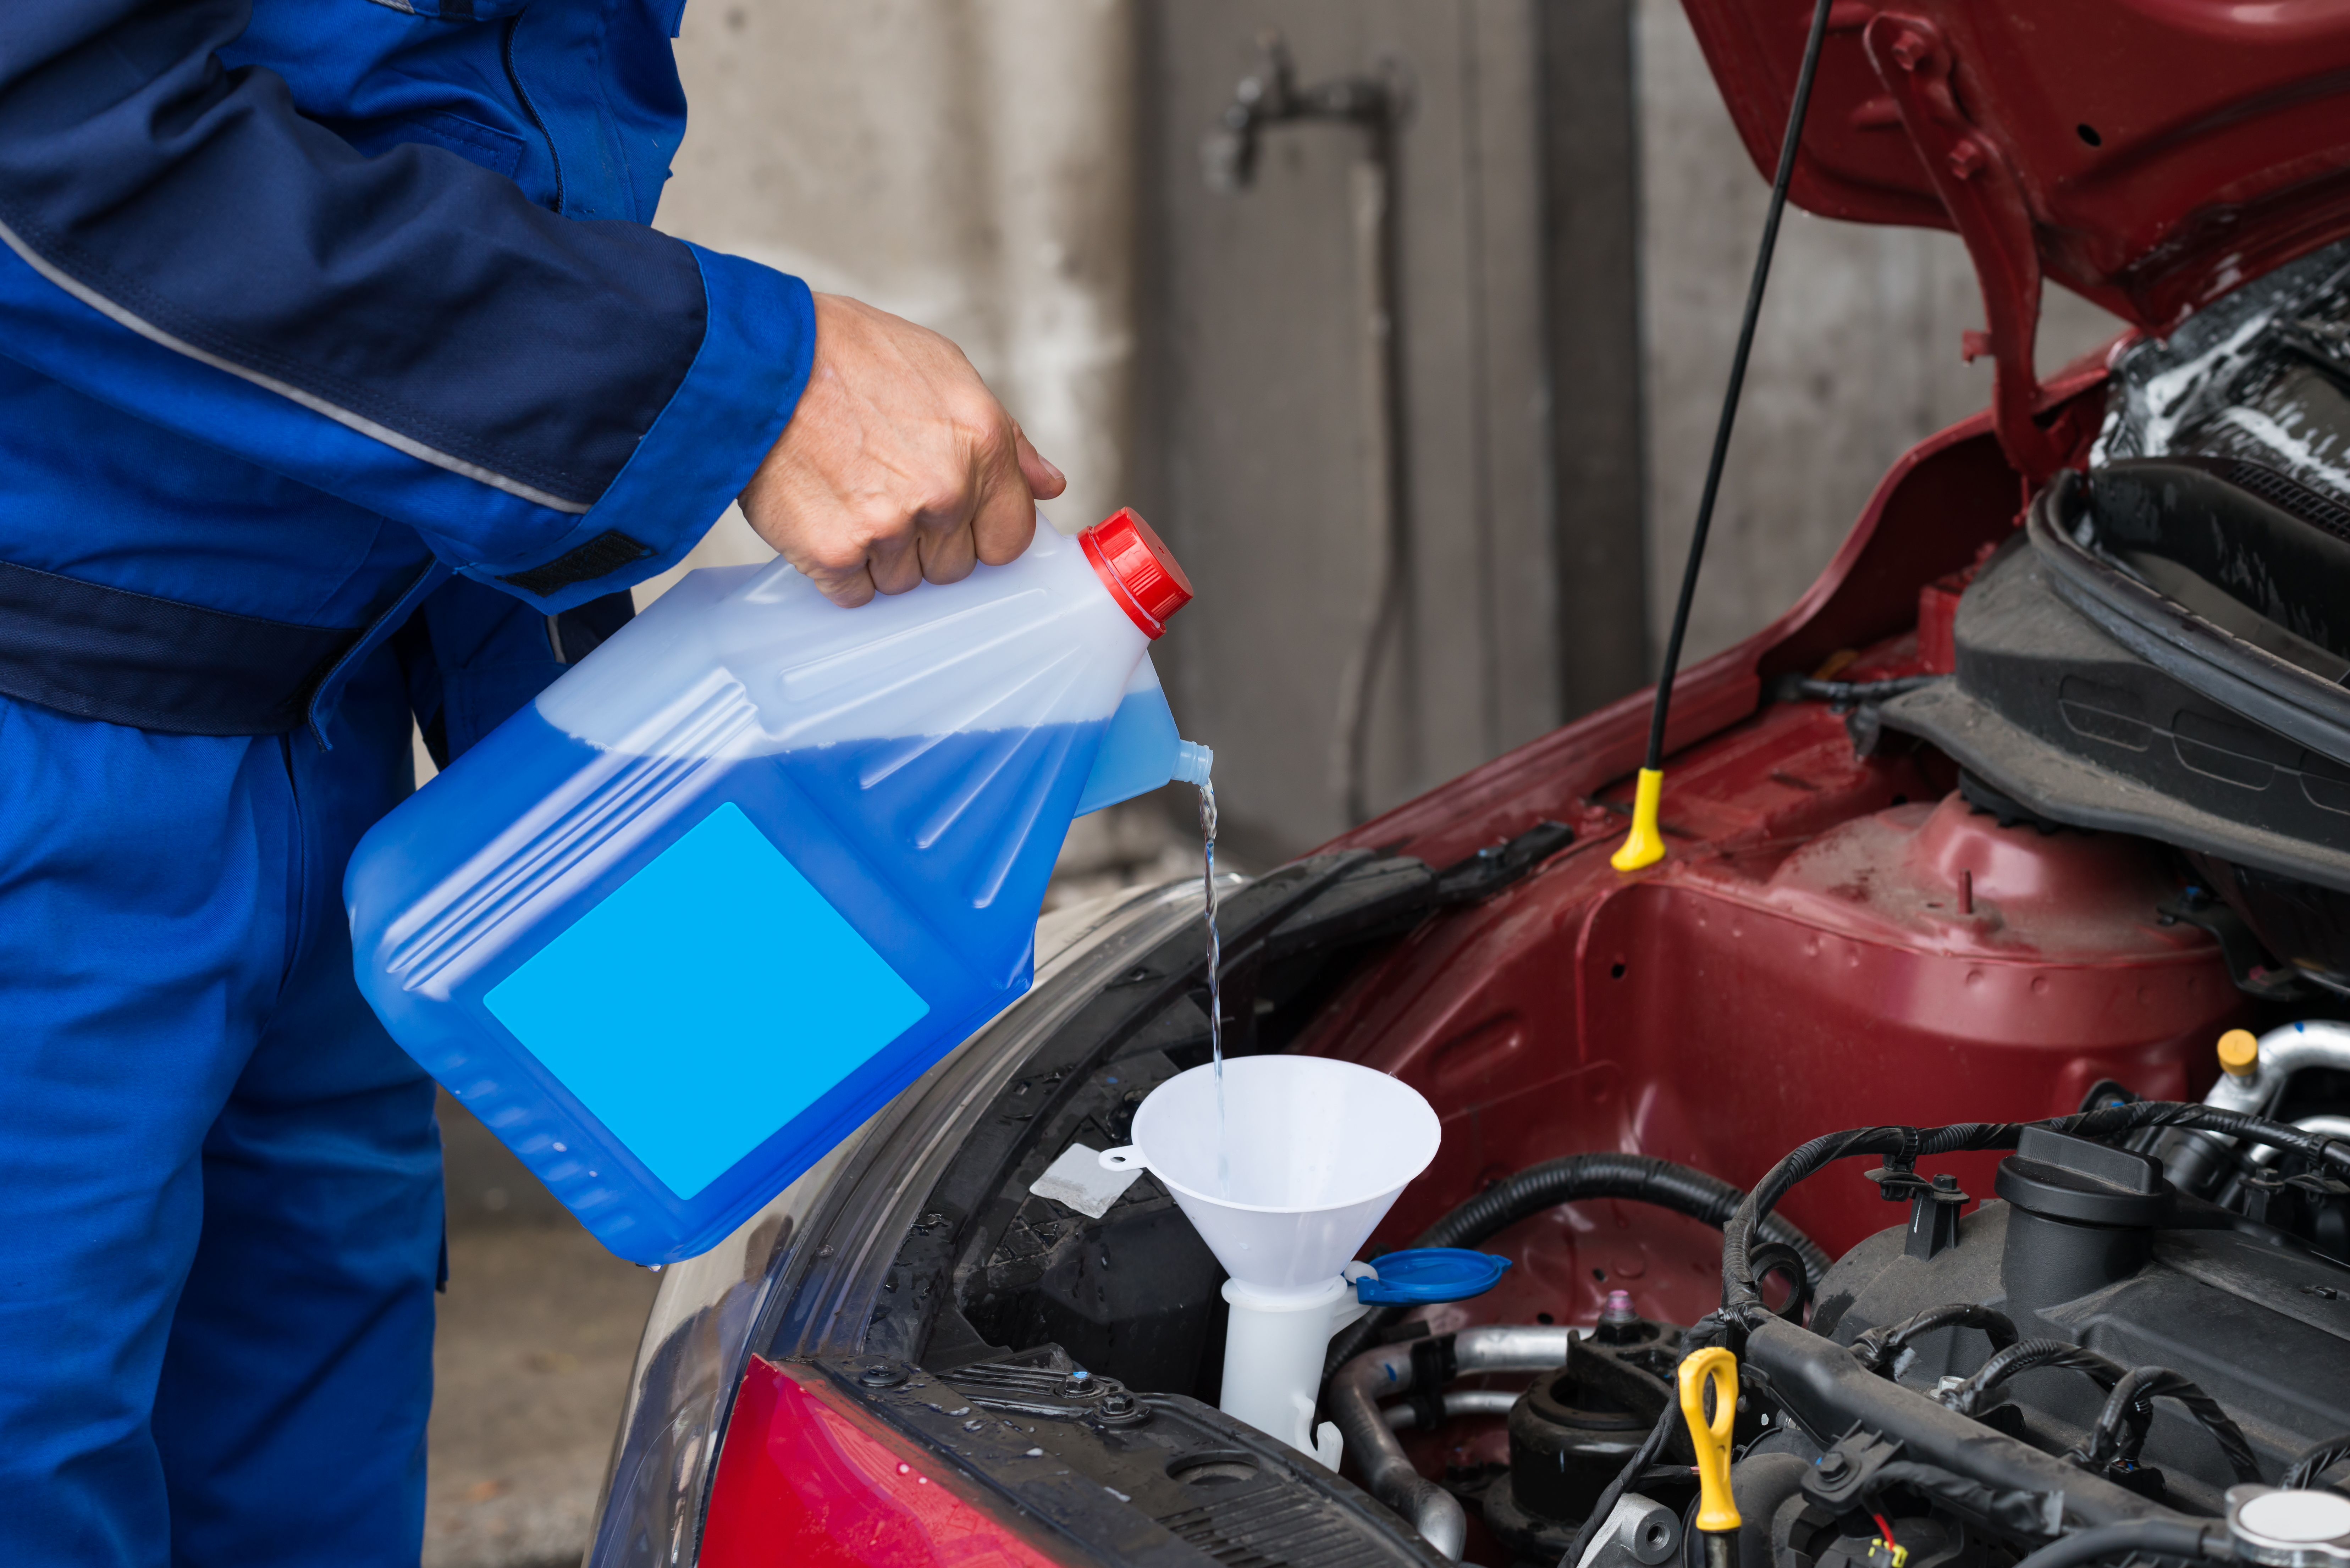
x: 898, y: 465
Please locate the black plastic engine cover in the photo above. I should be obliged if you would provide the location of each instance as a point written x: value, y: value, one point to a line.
x: 2261, y: 1324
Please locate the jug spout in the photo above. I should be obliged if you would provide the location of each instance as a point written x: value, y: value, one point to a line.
x: 1193, y: 763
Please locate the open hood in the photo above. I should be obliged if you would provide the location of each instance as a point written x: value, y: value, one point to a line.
x: 2148, y: 154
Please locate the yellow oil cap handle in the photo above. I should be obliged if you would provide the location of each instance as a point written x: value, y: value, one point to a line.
x: 1717, y: 1513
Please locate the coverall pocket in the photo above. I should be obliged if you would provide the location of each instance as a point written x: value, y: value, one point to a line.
x: 499, y: 152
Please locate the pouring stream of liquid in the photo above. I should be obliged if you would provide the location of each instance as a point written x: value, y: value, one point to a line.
x: 1215, y: 985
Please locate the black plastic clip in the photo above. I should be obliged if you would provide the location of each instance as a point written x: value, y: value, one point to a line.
x: 1433, y: 1364
x: 2249, y: 964
x: 1847, y: 1471
x: 1494, y: 867
x: 1934, y: 1205
x: 2333, y: 1152
x: 2263, y: 1187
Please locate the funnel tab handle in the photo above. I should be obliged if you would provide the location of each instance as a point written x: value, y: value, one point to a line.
x: 1423, y: 1274
x: 1125, y: 1158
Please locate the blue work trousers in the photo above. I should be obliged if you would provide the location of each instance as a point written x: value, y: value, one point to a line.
x: 220, y: 1180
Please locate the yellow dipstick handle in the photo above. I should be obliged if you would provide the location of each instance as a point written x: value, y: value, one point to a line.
x: 1717, y: 1513
x: 1645, y: 845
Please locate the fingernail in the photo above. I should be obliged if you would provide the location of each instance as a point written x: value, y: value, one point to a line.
x: 1051, y: 468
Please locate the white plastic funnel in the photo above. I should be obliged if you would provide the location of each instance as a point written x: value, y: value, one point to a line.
x: 1318, y: 1150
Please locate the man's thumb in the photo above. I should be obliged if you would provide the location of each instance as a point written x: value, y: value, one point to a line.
x: 1045, y: 480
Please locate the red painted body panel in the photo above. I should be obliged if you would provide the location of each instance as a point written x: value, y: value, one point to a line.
x: 805, y: 1482
x: 1784, y: 971
x: 2221, y: 147
x: 1797, y: 964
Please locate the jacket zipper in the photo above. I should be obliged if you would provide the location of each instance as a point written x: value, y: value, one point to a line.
x: 530, y: 109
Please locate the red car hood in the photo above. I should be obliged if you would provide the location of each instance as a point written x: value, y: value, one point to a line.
x: 2148, y: 154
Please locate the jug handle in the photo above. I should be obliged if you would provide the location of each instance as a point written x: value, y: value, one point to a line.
x: 1125, y: 1158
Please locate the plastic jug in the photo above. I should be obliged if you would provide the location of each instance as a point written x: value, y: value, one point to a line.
x: 748, y: 869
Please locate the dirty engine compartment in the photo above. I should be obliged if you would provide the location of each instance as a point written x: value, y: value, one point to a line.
x: 2083, y: 1278
x: 1956, y: 1381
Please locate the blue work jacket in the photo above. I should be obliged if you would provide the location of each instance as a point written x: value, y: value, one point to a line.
x: 318, y: 310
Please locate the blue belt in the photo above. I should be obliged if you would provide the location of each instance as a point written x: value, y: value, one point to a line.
x: 157, y: 664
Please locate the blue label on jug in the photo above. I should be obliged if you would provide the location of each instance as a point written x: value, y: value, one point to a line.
x: 709, y: 1000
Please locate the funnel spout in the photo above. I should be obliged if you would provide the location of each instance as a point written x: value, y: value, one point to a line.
x: 1274, y: 1343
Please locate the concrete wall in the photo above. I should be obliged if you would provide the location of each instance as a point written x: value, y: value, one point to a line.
x: 1257, y: 455
x: 965, y: 163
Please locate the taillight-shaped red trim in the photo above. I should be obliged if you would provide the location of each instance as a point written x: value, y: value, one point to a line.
x: 807, y: 1482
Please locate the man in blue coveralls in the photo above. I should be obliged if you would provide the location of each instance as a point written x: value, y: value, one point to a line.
x: 341, y: 379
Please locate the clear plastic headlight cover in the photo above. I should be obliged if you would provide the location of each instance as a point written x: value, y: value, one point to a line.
x: 763, y: 1284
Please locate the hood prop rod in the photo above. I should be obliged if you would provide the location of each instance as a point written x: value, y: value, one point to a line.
x: 1645, y: 845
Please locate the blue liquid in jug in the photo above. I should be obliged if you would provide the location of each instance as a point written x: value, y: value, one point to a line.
x: 724, y: 967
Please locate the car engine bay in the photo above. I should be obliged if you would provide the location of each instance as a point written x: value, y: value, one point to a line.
x: 2145, y: 1314
x: 2062, y: 1273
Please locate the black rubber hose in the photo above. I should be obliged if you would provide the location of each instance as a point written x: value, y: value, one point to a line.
x: 1643, y: 1178
x: 1636, y: 1178
x: 2034, y: 1515
x: 2142, y: 1537
x: 1880, y: 1349
x: 2315, y: 1460
x: 1968, y: 1397
x: 2120, y: 1431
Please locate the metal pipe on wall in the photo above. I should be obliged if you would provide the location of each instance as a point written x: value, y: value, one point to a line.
x: 1377, y: 105
x: 1385, y: 491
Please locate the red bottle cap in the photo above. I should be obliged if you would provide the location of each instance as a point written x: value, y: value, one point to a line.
x: 1135, y: 564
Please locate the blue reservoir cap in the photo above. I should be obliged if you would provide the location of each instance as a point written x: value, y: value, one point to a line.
x: 1431, y: 1274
